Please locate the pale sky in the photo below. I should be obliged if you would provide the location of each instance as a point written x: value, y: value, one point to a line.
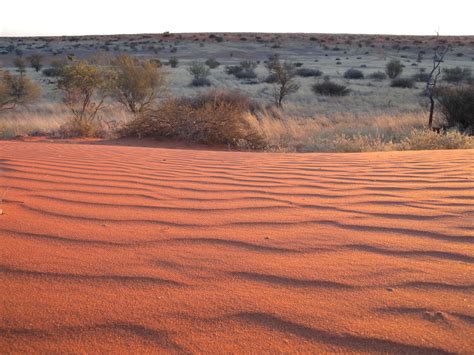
x: 81, y: 17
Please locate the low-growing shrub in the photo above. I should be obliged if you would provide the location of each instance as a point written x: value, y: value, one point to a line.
x: 173, y: 62
x: 421, y: 77
x: 307, y: 72
x: 212, y: 63
x: 353, y: 74
x: 406, y: 83
x: 198, y: 82
x: 456, y: 75
x: 211, y: 118
x: 378, y: 75
x: 457, y: 106
x: 329, y: 88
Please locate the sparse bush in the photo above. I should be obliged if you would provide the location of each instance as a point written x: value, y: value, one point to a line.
x: 212, y: 63
x: 353, y: 74
x: 56, y: 69
x: 307, y: 72
x: 378, y: 75
x: 285, y: 83
x: 16, y: 90
x: 394, y: 68
x: 212, y: 118
x: 329, y: 88
x: 246, y: 70
x: 20, y: 65
x: 457, y: 106
x: 200, y: 72
x: 137, y: 84
x: 85, y: 87
x: 406, y: 83
x: 35, y: 61
x: 456, y: 75
x: 421, y: 77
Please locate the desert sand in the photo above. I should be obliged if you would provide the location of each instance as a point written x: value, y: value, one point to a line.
x: 147, y: 250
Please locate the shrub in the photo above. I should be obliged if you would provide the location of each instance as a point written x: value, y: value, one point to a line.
x: 285, y: 83
x: 271, y: 79
x: 457, y: 74
x: 329, y: 88
x: 211, y: 118
x: 35, y: 61
x: 243, y: 71
x: 353, y: 74
x: 232, y: 69
x: 421, y: 77
x: 56, y: 69
x: 200, y: 72
x: 197, y: 82
x: 307, y: 72
x: 457, y: 106
x: 245, y: 74
x: 20, y: 64
x: 212, y: 63
x: 85, y: 89
x: 137, y: 84
x: 173, y: 62
x: 16, y: 90
x: 406, y: 83
x: 394, y: 68
x: 378, y: 75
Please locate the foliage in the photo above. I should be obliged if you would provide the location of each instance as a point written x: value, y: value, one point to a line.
x: 137, y: 84
x: 394, y: 68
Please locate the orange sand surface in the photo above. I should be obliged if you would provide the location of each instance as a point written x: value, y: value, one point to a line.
x: 150, y: 250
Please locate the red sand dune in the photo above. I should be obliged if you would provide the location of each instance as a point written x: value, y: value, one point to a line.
x: 128, y: 249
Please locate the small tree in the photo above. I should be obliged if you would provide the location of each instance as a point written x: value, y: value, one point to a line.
x: 137, y: 84
x: 35, y: 61
x: 85, y: 88
x: 20, y: 65
x: 284, y: 79
x: 17, y: 90
x: 440, y: 52
x: 394, y: 68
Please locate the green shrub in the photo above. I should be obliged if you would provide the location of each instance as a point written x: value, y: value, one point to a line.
x: 394, y: 68
x: 200, y: 72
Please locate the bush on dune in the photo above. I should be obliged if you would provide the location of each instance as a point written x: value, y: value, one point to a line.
x: 212, y: 118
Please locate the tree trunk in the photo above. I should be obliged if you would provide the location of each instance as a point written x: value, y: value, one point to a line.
x: 432, y: 105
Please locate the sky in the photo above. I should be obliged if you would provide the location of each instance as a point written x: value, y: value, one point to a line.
x: 82, y: 17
